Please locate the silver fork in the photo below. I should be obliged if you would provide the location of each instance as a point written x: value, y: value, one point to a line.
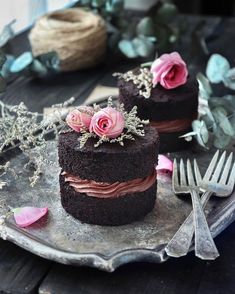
x: 180, y: 243
x: 204, y: 244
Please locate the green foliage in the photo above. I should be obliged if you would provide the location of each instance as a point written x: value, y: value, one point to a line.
x: 204, y: 86
x: 6, y: 34
x: 166, y: 13
x: 217, y: 67
x: 127, y: 48
x: 145, y: 27
x: 105, y: 8
x: 26, y: 63
x: 218, y: 70
x: 142, y: 37
x: 39, y: 66
x: 216, y: 114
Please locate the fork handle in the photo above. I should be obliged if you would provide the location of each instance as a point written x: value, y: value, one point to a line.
x: 180, y: 243
x: 205, y: 247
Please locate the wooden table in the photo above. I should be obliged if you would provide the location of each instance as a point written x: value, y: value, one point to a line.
x: 23, y: 272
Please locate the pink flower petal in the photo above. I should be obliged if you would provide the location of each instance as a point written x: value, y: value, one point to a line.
x: 164, y: 164
x: 25, y: 216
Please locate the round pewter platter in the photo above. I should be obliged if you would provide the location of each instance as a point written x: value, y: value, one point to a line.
x: 61, y: 238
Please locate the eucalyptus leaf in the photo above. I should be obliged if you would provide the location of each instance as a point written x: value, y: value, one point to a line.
x: 220, y: 114
x: 205, y: 112
x: 229, y: 79
x: 145, y: 27
x: 188, y: 136
x: 84, y: 2
x: 143, y: 46
x: 50, y: 60
x: 163, y: 34
x: 217, y: 68
x: 37, y: 68
x: 152, y: 39
x: 227, y: 101
x: 232, y: 121
x: 202, y: 134
x: 6, y: 66
x: 204, y: 86
x: 198, y: 40
x: 7, y: 33
x: 114, y: 6
x: 22, y: 62
x: 98, y: 3
x: 166, y: 12
x: 221, y: 140
x: 173, y: 38
x: 127, y: 48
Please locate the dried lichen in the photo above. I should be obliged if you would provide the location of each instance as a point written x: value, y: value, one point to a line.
x: 27, y: 130
x: 142, y: 80
x: 84, y: 137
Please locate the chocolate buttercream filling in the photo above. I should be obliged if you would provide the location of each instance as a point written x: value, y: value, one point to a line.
x: 107, y: 190
x: 172, y: 126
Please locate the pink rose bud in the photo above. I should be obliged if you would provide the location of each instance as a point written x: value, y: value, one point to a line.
x: 107, y: 122
x: 80, y: 118
x: 169, y: 70
x: 165, y: 164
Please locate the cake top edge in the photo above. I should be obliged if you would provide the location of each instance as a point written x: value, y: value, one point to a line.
x: 168, y: 70
x: 112, y: 124
x: 72, y: 140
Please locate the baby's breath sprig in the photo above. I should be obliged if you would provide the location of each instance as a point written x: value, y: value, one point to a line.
x: 84, y: 137
x: 133, y: 123
x: 134, y: 126
x: 142, y: 80
x: 26, y: 130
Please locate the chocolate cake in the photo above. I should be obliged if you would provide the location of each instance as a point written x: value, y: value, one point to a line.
x: 171, y: 111
x: 109, y: 184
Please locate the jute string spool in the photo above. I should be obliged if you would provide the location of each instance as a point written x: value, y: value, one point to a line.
x: 79, y: 38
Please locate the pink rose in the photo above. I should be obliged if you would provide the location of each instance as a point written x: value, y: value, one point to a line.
x: 169, y: 70
x: 80, y: 118
x: 165, y: 165
x: 107, y: 122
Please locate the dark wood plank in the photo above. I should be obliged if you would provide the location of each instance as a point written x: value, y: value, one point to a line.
x: 175, y: 276
x: 20, y: 271
x: 218, y: 276
x: 39, y: 93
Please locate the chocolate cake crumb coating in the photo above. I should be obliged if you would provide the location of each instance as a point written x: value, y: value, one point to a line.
x: 163, y: 104
x: 109, y: 162
x: 107, y: 211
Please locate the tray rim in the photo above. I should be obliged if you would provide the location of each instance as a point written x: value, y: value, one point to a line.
x: 102, y: 262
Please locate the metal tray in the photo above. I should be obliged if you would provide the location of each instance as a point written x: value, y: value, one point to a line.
x: 62, y: 238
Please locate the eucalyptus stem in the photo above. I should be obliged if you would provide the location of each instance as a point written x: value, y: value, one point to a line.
x: 146, y: 64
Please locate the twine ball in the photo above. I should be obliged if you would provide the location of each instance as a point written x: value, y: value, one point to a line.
x: 79, y: 38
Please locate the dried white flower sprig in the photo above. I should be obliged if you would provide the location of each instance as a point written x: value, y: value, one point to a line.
x: 110, y: 124
x: 142, y: 79
x: 26, y: 130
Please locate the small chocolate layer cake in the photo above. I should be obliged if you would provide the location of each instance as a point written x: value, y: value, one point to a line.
x: 110, y: 184
x: 170, y: 111
x: 109, y: 162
